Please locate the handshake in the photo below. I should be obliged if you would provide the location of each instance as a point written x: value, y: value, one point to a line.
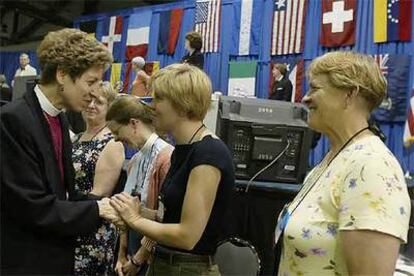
x: 123, y: 210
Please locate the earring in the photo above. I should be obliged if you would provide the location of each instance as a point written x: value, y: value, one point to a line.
x: 60, y: 90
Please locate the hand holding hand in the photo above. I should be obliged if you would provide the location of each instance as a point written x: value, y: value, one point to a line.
x: 128, y: 207
x: 106, y: 211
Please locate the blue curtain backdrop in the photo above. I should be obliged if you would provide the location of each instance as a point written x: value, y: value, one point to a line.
x: 217, y: 64
x: 9, y: 63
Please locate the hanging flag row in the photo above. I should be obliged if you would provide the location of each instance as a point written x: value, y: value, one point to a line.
x: 128, y: 36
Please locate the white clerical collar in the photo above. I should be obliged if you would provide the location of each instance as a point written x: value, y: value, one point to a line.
x: 148, y: 144
x: 45, y: 104
x: 280, y: 78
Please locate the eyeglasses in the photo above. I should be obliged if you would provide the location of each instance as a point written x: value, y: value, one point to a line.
x: 116, y: 131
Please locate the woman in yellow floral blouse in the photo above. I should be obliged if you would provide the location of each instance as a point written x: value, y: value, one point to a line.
x: 352, y: 213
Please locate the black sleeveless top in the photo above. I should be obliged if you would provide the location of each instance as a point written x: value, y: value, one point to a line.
x: 208, y: 151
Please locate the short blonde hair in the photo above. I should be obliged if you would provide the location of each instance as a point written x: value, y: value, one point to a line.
x: 71, y: 51
x: 108, y: 91
x: 187, y: 88
x: 349, y: 70
x: 127, y: 107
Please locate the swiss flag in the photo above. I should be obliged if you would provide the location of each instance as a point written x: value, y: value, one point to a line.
x: 338, y: 22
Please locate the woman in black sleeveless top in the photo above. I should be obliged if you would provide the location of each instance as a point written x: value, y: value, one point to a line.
x: 197, y: 189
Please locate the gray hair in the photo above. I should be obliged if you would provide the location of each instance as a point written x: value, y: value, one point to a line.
x: 138, y: 61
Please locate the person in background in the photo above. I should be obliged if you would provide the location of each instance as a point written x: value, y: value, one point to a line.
x: 98, y: 161
x: 193, y: 45
x: 39, y: 219
x: 25, y: 69
x: 197, y: 189
x: 282, y: 86
x: 5, y: 90
x: 140, y: 84
x: 352, y: 213
x: 131, y: 121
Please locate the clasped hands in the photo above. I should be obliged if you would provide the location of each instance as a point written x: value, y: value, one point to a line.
x: 121, y: 209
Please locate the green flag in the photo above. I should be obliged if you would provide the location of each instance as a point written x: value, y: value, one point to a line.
x: 242, y: 79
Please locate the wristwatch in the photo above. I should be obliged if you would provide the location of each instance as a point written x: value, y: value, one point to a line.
x: 134, y: 262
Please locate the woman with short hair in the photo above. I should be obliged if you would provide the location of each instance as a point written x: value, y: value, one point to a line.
x: 98, y: 161
x: 197, y: 189
x: 140, y: 84
x: 131, y: 121
x: 39, y: 218
x: 193, y: 45
x: 352, y: 213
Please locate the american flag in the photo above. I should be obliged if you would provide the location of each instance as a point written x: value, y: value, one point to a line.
x: 207, y: 23
x: 288, y: 26
x: 382, y: 61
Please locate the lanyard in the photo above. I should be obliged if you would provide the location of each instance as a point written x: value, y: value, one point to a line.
x: 324, y: 169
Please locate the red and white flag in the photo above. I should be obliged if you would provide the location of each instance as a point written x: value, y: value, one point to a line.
x: 288, y: 26
x: 382, y: 61
x: 138, y: 35
x: 338, y: 23
x: 207, y: 23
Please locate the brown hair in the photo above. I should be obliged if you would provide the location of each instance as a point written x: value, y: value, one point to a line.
x: 281, y: 67
x: 354, y: 71
x: 195, y: 40
x: 126, y: 107
x: 71, y: 51
x: 186, y: 87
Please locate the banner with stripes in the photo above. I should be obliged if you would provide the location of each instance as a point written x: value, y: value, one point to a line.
x: 207, y: 23
x: 288, y: 26
x: 247, y: 27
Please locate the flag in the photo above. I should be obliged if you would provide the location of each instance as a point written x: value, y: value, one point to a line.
x: 288, y: 26
x: 207, y: 23
x: 396, y: 69
x: 138, y: 35
x: 296, y: 70
x: 409, y: 123
x: 109, y: 32
x: 127, y: 78
x: 338, y: 23
x: 151, y: 67
x: 246, y: 37
x: 392, y: 20
x: 88, y: 27
x: 242, y: 79
x: 115, y: 74
x: 170, y: 25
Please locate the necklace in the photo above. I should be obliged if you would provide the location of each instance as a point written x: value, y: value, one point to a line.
x: 195, y: 133
x: 96, y: 133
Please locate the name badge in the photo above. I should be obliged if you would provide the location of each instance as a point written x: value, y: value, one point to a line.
x: 160, y: 210
x: 282, y: 221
